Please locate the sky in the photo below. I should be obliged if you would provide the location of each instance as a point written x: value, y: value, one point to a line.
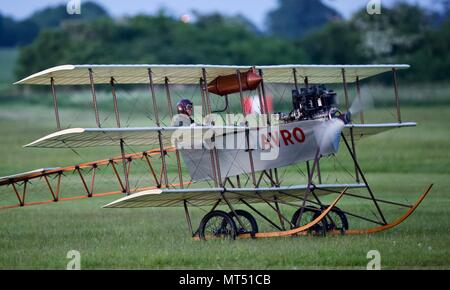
x: 255, y: 10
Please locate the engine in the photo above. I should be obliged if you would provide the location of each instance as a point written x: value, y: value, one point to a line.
x: 314, y: 102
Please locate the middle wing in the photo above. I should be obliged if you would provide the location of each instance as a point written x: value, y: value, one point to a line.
x: 90, y: 137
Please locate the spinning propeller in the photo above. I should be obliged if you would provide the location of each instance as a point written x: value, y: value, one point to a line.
x: 338, y: 120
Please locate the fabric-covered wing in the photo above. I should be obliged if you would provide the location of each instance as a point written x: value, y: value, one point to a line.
x: 90, y: 137
x: 190, y: 74
x: 365, y: 130
x: 209, y: 196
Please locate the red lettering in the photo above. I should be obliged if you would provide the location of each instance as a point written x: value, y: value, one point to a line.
x: 299, y: 135
x: 286, y: 135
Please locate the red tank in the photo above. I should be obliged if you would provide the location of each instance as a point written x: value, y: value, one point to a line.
x: 223, y: 85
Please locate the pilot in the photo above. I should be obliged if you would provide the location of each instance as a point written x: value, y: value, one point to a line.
x: 184, y: 116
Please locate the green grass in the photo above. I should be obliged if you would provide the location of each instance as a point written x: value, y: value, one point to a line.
x: 399, y: 164
x: 8, y: 58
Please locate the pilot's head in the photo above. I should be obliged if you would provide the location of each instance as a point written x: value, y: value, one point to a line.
x: 185, y: 106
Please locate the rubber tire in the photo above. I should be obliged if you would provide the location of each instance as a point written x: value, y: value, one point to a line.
x: 212, y: 214
x: 318, y: 228
x: 249, y: 217
x: 342, y: 216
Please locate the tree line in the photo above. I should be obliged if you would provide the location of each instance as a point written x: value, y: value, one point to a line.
x: 403, y: 33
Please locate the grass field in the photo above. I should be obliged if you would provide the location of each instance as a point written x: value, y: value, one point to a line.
x: 399, y: 164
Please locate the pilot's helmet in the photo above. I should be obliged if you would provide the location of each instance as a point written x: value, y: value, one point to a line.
x: 185, y: 106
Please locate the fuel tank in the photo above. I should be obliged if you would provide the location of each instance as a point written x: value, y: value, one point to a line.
x: 228, y: 84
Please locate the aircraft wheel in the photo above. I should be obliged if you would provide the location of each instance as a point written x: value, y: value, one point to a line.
x: 309, y: 214
x: 336, y: 220
x: 217, y: 225
x: 247, y: 219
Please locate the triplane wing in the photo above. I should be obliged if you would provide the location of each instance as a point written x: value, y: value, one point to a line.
x: 366, y: 130
x: 210, y: 196
x: 309, y: 133
x: 91, y: 137
x: 190, y: 74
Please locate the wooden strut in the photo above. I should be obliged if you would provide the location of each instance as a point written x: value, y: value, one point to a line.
x: 358, y: 94
x: 125, y: 169
x: 294, y: 73
x: 233, y: 211
x: 55, y: 195
x: 265, y: 110
x: 156, y: 112
x: 94, y: 98
x: 280, y: 216
x: 306, y: 82
x: 152, y: 170
x: 247, y: 131
x: 55, y: 103
x: 227, y: 179
x: 347, y: 107
x: 116, y: 107
x: 310, y: 185
x: 364, y: 178
x: 204, y: 114
x: 177, y: 153
x: 188, y: 217
x: 214, y: 150
x: 117, y: 175
x: 397, y: 99
x: 94, y: 169
x: 89, y: 194
x: 21, y: 199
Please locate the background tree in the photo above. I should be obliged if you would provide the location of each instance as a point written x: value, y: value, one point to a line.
x: 54, y: 16
x: 294, y: 18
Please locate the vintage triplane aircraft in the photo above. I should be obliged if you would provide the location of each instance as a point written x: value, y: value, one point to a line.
x: 255, y: 157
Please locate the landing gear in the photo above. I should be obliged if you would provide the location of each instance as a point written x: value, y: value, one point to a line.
x: 336, y: 220
x: 248, y: 221
x: 217, y: 224
x: 309, y: 214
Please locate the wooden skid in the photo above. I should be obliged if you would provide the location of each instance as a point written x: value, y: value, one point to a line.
x: 389, y: 225
x: 299, y: 229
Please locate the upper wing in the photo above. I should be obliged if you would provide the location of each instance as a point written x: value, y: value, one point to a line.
x: 210, y: 196
x: 190, y: 74
x: 364, y: 130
